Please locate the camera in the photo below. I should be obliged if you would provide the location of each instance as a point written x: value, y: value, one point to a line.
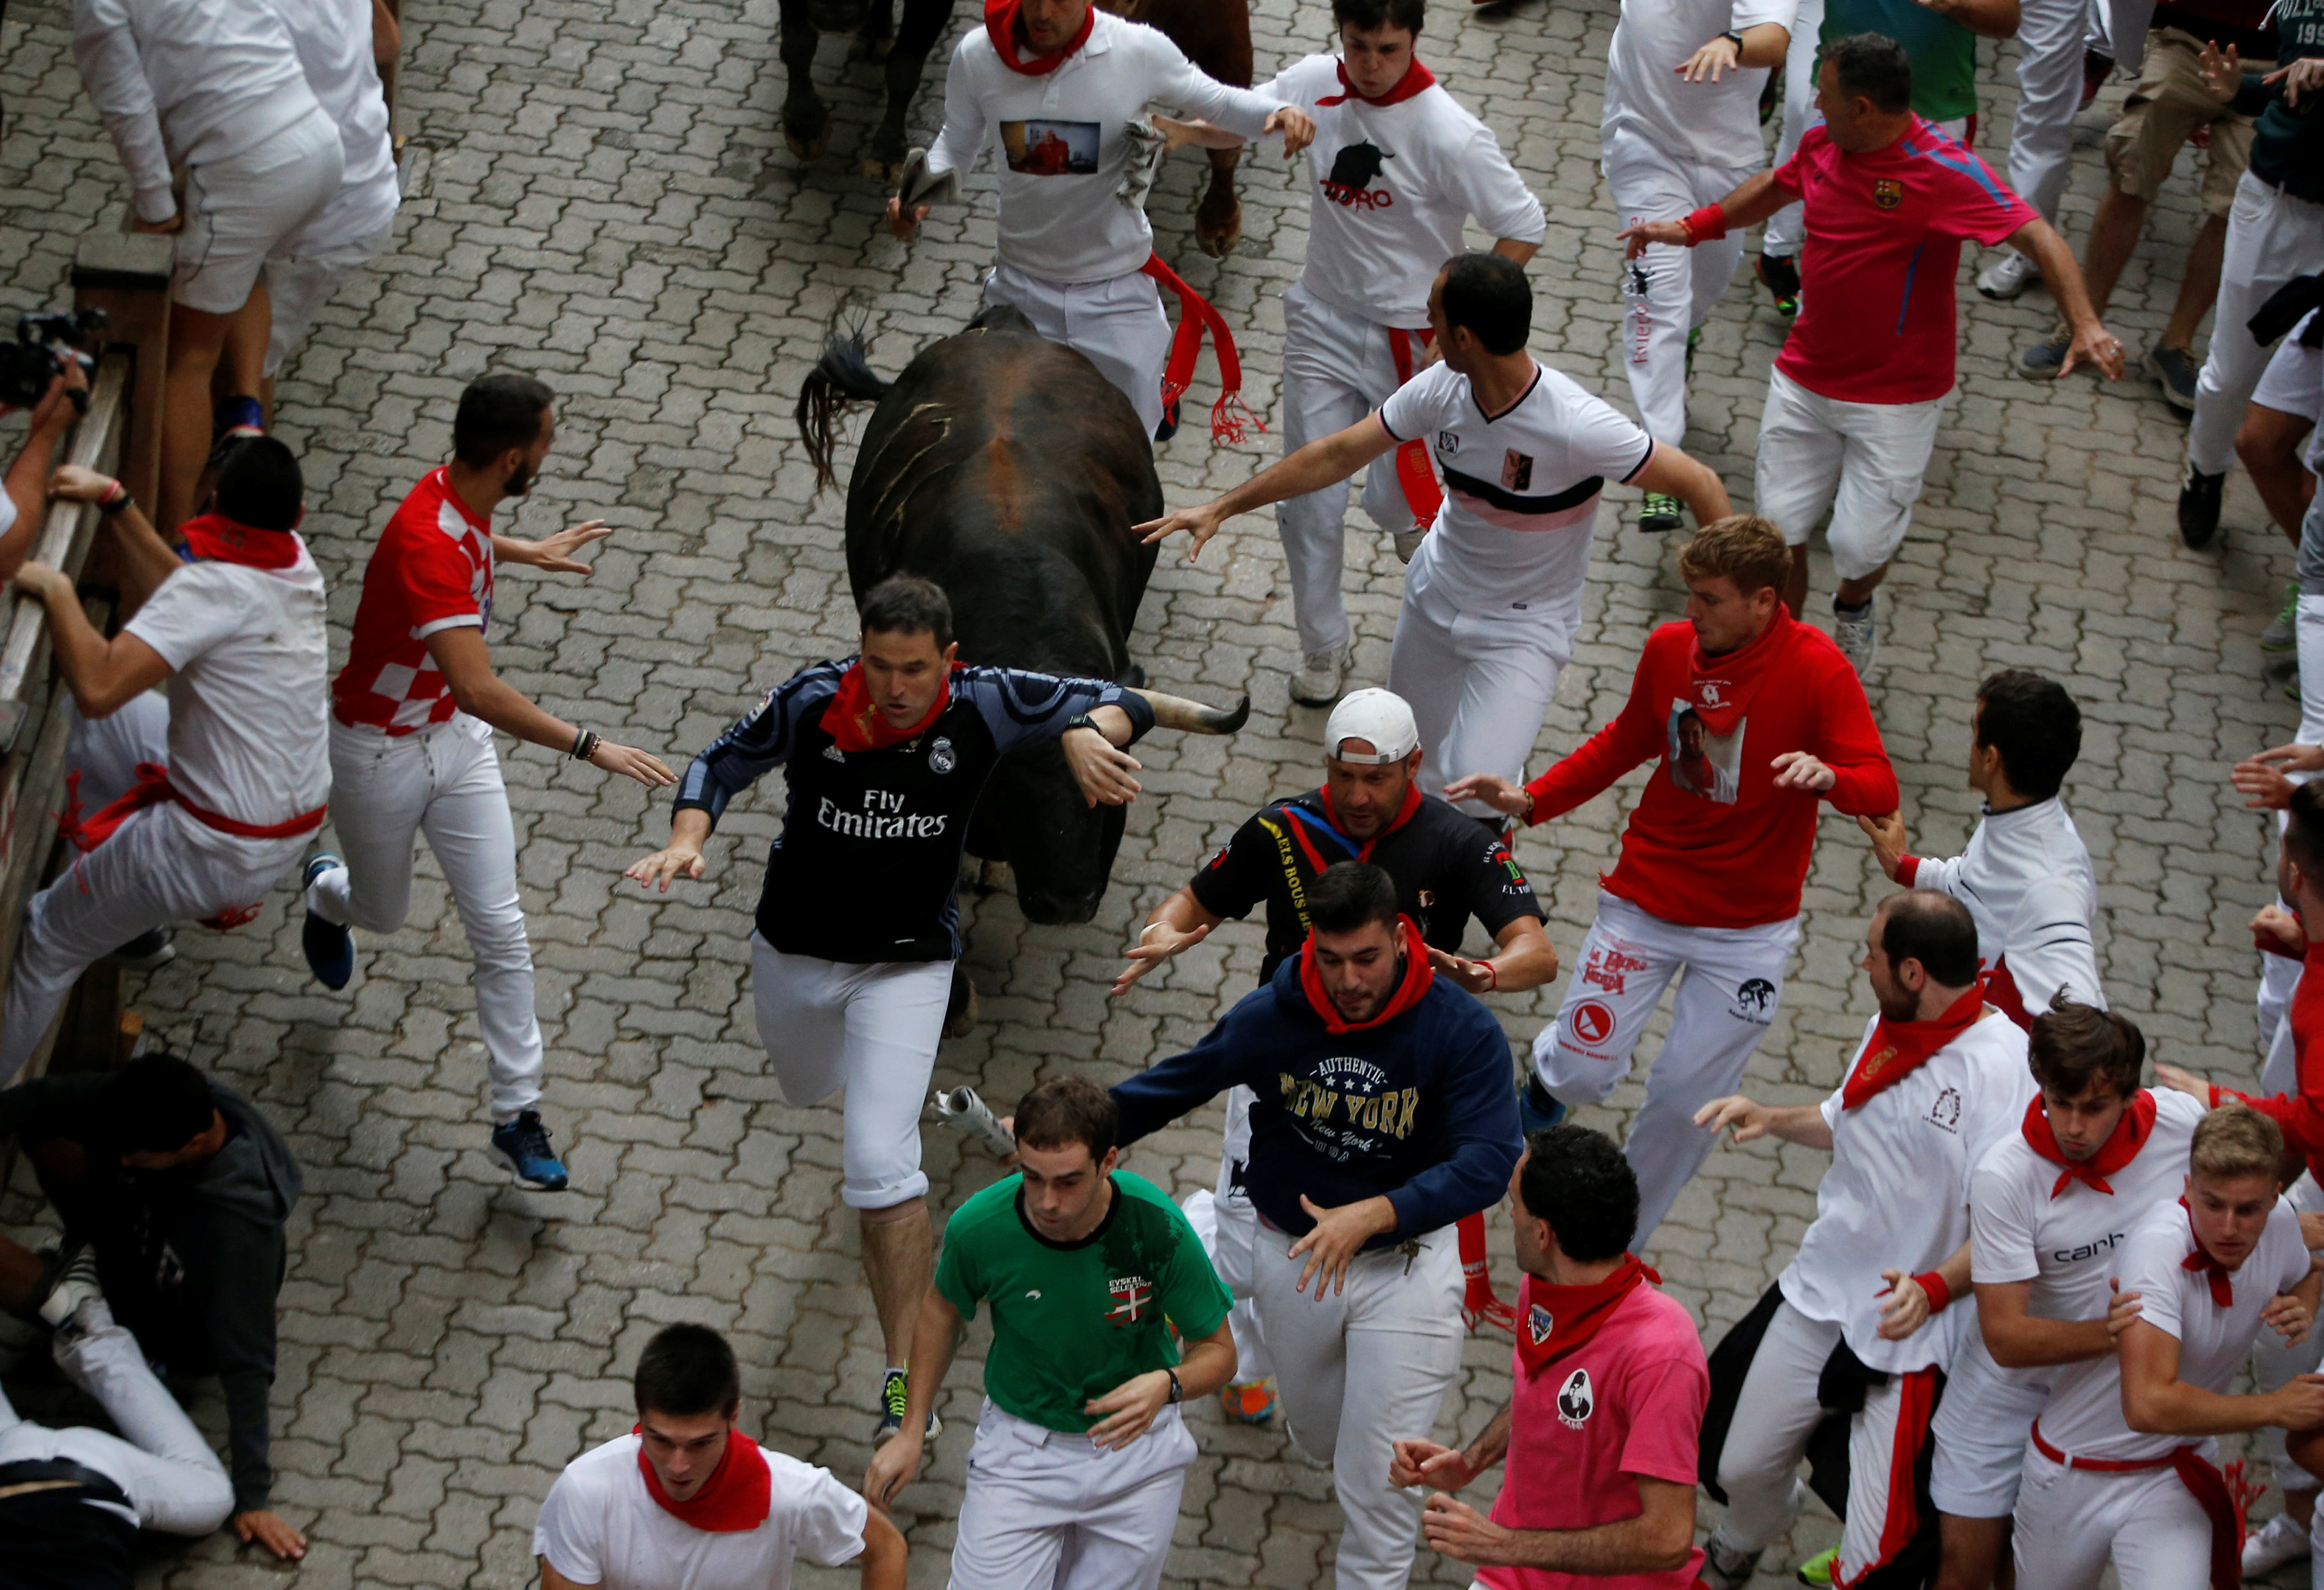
x: 37, y: 357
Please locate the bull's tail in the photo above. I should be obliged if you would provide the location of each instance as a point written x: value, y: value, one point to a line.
x: 844, y: 375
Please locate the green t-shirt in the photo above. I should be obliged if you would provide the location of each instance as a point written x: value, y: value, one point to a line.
x: 1943, y: 53
x: 1072, y: 1321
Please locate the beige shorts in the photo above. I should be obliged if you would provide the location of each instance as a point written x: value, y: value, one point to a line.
x: 2166, y: 108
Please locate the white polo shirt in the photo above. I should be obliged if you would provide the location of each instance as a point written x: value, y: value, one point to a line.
x: 2084, y: 1416
x: 1714, y: 125
x: 1896, y: 1196
x: 2026, y: 879
x: 600, y: 1526
x: 1521, y: 488
x: 1391, y: 187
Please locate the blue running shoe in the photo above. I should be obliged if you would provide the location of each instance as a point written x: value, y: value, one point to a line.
x: 1537, y: 1108
x: 331, y: 947
x: 522, y: 1146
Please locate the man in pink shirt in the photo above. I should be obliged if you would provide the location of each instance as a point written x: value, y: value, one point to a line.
x: 1601, y: 1435
x: 1853, y: 401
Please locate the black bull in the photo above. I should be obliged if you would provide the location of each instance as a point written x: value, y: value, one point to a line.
x: 1006, y: 469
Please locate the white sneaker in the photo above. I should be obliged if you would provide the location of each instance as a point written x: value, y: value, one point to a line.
x: 2007, y: 276
x: 77, y: 1283
x: 1726, y: 1568
x: 1858, y: 634
x: 2271, y: 1545
x: 1317, y: 682
x: 1407, y: 542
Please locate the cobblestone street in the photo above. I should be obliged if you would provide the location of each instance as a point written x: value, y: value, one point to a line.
x: 599, y: 194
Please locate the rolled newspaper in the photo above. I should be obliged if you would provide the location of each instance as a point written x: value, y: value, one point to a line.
x: 963, y: 1111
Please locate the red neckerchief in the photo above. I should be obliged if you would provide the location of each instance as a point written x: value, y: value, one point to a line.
x: 854, y: 724
x: 2222, y: 1279
x: 216, y: 539
x: 1417, y: 975
x: 1364, y: 848
x: 2129, y: 1135
x: 1720, y: 689
x: 1553, y: 1321
x: 1416, y: 79
x: 737, y: 1496
x: 1897, y: 1049
x: 1000, y: 27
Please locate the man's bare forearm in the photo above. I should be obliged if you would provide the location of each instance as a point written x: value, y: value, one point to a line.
x: 2039, y: 241
x: 1754, y: 201
x: 1318, y: 464
x: 933, y: 1340
x: 1492, y: 1445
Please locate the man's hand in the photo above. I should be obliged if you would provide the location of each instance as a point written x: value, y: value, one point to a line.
x: 904, y: 226
x: 892, y: 1468
x: 679, y: 859
x: 1510, y: 800
x: 1201, y: 523
x: 2093, y: 343
x: 59, y: 407
x: 170, y: 228
x: 555, y: 553
x: 2311, y: 1232
x: 2222, y: 71
x: 1799, y: 770
x: 1460, y: 1532
x: 1906, y: 1310
x: 43, y: 584
x: 1475, y: 977
x: 2184, y: 1082
x: 2121, y: 1312
x: 1158, y: 944
x: 631, y: 763
x: 1100, y: 768
x: 73, y: 483
x: 1338, y: 1235
x: 1749, y: 1119
x: 2305, y: 75
x: 1298, y: 129
x: 2289, y: 1317
x: 2275, y: 924
x: 1425, y: 1463
x: 266, y: 1527
x: 1889, y: 841
x: 1131, y: 1410
x: 2262, y: 777
x: 2299, y: 1404
x: 1705, y: 65
x: 1634, y: 239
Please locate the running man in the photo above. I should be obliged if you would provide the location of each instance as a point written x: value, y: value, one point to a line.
x: 1080, y: 1453
x: 413, y: 715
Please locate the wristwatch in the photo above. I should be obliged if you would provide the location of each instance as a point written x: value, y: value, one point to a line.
x: 1736, y: 38
x: 1081, y: 720
x: 1177, y: 1392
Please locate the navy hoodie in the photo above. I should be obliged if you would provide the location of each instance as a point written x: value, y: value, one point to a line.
x: 1418, y: 1109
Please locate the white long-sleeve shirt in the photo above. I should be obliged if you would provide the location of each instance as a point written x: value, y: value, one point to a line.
x: 1391, y: 186
x: 1061, y: 151
x: 1713, y: 125
x: 334, y: 42
x: 2027, y: 882
x: 186, y: 81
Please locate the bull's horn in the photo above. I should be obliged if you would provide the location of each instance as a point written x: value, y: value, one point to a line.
x: 1175, y: 711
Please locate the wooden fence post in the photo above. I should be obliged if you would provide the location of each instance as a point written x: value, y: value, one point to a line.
x: 127, y: 276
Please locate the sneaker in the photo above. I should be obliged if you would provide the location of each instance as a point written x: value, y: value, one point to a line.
x: 1857, y: 633
x: 2274, y: 1544
x: 1660, y: 511
x: 1407, y: 542
x: 1538, y: 1109
x: 2283, y: 632
x: 1694, y: 341
x: 90, y: 1315
x: 2174, y: 370
x: 231, y: 414
x: 522, y: 1146
x: 1817, y: 1569
x: 331, y: 947
x: 1317, y: 682
x: 75, y: 1283
x: 1781, y: 277
x: 894, y: 1389
x: 2007, y: 276
x: 2198, y: 508
x: 148, y: 951
x: 1249, y: 1401
x: 1725, y: 1569
x: 2044, y: 358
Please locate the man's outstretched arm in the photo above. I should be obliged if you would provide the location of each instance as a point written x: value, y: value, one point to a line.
x: 1324, y: 462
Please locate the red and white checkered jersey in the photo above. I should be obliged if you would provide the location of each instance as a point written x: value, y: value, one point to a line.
x: 432, y: 570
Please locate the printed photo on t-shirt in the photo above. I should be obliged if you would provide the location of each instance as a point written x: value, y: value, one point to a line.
x: 1702, y: 763
x: 1050, y: 148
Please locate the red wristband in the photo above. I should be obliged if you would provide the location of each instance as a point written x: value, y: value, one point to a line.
x: 1939, y: 1295
x: 1707, y: 224
x: 1493, y: 973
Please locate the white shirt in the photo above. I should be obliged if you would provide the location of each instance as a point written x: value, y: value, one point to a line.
x: 187, y: 82
x: 600, y: 1526
x: 1392, y: 186
x: 1714, y: 125
x: 1074, y: 224
x: 1521, y: 488
x: 249, y: 687
x: 334, y: 42
x: 2084, y: 1418
x: 2067, y: 1244
x: 2026, y: 880
x: 1896, y: 1196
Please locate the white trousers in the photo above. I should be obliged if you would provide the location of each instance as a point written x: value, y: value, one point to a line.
x: 865, y: 1028
x: 1337, y: 368
x: 1667, y: 291
x: 1786, y: 229
x: 444, y: 781
x: 1981, y: 1426
x: 297, y: 286
x: 2070, y: 1521
x: 2279, y: 975
x: 1357, y: 1372
x: 2272, y: 237
x: 2274, y: 1365
x: 1229, y: 1227
x: 1479, y: 684
x: 1863, y: 462
x: 172, y: 1479
x: 2049, y: 35
x: 1732, y: 981
x: 1117, y: 324
x: 1047, y: 1510
x: 1775, y: 1414
x: 238, y: 211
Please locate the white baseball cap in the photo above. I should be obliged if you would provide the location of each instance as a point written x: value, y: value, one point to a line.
x: 1378, y: 717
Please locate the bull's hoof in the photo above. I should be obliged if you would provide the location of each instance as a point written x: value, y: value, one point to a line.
x: 992, y: 876
x: 809, y: 140
x: 885, y: 173
x: 862, y: 49
x: 960, y: 1009
x: 1217, y: 237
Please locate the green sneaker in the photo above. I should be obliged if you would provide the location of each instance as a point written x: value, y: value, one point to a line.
x: 1694, y: 341
x: 894, y: 1396
x: 1660, y: 511
x: 2283, y: 634
x: 1817, y: 1570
